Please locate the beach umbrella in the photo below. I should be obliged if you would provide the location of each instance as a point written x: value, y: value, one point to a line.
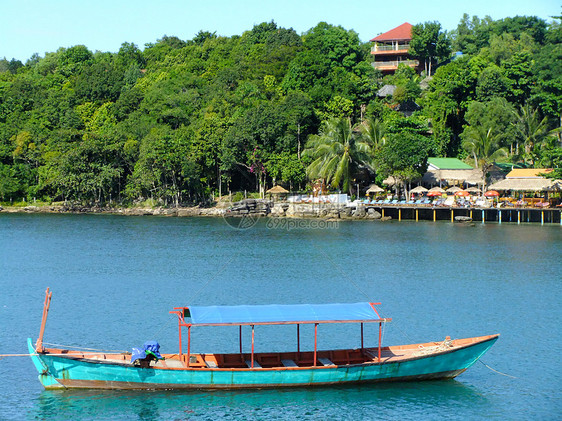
x: 419, y: 189
x: 473, y: 190
x: 453, y: 189
x: 437, y: 189
x: 433, y: 193
x: 277, y: 190
x: 373, y: 188
x: 491, y: 193
x: 462, y: 193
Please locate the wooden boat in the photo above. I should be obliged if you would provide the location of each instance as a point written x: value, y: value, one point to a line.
x: 66, y: 368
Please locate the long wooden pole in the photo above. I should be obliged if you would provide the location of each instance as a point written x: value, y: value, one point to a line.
x: 46, y: 305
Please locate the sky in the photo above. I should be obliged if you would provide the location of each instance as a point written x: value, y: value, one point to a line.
x: 39, y: 26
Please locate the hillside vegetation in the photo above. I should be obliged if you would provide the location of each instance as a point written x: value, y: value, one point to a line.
x: 178, y: 120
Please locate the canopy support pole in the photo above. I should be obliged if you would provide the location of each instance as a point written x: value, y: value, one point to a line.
x: 46, y: 305
x: 240, y: 337
x: 298, y: 341
x: 315, y: 342
x: 188, y: 345
x: 362, y: 336
x: 380, y: 338
x: 179, y: 328
x: 252, y: 359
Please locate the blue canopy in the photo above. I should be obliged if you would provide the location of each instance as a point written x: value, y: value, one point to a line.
x: 274, y: 313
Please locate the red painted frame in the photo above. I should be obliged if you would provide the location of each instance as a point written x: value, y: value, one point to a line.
x: 181, y: 311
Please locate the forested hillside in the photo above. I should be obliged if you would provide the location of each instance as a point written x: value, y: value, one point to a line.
x: 178, y: 120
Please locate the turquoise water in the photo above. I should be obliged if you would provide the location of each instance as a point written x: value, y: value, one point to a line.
x: 114, y: 280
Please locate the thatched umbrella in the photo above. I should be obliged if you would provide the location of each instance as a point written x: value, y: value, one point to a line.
x: 418, y: 190
x: 453, y: 189
x: 373, y: 188
x: 390, y: 181
x: 474, y: 190
x: 277, y: 191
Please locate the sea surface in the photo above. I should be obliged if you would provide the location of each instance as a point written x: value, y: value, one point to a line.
x: 115, y: 279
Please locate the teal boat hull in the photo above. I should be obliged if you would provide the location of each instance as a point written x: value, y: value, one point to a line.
x: 71, y: 372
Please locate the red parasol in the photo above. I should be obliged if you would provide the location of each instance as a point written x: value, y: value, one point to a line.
x: 462, y: 193
x: 434, y: 193
x: 491, y: 193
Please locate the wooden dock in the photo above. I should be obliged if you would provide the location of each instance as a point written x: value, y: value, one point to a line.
x: 499, y: 215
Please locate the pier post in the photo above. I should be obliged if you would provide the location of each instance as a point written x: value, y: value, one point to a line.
x: 452, y: 213
x: 518, y: 217
x: 561, y: 217
x: 416, y: 214
x: 542, y: 217
x: 499, y: 216
x: 434, y: 219
x: 471, y: 214
x: 382, y: 212
x: 483, y: 216
x: 399, y: 214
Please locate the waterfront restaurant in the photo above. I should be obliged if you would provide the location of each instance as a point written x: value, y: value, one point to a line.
x: 529, y: 187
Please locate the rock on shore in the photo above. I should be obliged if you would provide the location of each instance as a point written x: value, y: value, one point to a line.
x: 248, y: 206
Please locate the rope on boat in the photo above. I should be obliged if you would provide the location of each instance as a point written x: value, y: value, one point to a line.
x: 53, y: 354
x: 443, y: 346
x: 496, y: 371
x: 105, y: 351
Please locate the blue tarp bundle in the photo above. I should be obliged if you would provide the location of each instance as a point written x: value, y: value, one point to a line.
x: 149, y: 348
x: 275, y: 313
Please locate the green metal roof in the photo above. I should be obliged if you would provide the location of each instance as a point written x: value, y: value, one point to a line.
x: 449, y: 164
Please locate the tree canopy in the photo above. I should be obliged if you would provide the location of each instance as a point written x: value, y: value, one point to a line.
x: 179, y: 121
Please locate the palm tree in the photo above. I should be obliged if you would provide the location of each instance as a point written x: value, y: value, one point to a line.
x: 336, y: 154
x: 484, y: 146
x: 373, y: 132
x: 530, y: 131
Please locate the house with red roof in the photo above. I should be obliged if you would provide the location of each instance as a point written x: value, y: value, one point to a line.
x: 391, y: 49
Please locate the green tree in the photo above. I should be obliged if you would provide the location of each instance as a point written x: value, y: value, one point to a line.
x: 337, y: 154
x: 429, y: 44
x: 531, y: 131
x: 484, y: 146
x: 498, y: 114
x: 404, y: 156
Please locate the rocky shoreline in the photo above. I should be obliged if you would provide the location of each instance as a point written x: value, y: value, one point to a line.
x: 222, y: 209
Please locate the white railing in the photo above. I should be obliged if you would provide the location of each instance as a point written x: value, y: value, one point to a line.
x: 380, y: 64
x: 396, y: 47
